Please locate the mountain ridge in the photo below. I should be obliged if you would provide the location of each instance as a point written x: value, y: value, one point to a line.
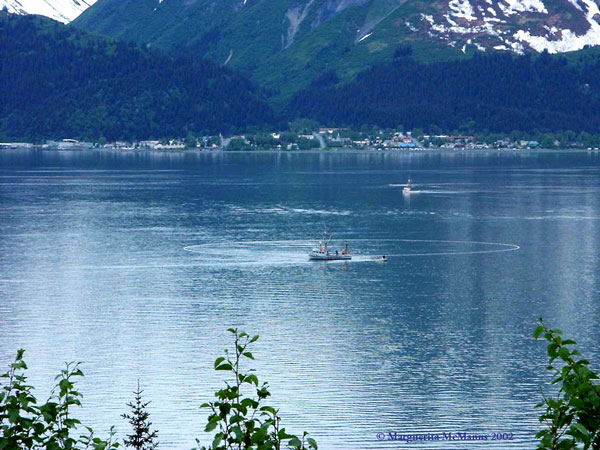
x: 283, y: 45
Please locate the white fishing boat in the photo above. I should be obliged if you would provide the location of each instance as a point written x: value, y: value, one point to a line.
x: 323, y: 252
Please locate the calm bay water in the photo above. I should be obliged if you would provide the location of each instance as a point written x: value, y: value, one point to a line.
x: 137, y: 263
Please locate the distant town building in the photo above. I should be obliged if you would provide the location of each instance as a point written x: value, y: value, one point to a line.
x: 148, y: 144
x: 15, y: 145
x: 331, y: 130
x: 66, y: 144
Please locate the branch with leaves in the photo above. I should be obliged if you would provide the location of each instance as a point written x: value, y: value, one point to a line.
x: 242, y: 420
x: 573, y: 416
x: 246, y: 423
x: 51, y: 426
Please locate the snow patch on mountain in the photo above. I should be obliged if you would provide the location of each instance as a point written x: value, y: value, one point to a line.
x: 568, y: 41
x: 365, y: 36
x: 514, y: 25
x: 61, y: 10
x: 510, y: 7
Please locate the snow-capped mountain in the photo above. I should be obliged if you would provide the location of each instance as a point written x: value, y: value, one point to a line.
x: 61, y: 10
x: 553, y: 25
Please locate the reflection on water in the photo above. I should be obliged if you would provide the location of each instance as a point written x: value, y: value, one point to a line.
x: 136, y: 263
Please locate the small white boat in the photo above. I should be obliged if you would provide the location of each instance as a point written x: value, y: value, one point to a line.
x: 408, y: 189
x: 323, y: 253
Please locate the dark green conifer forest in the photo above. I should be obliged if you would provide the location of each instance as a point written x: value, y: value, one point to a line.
x: 60, y: 82
x: 496, y: 92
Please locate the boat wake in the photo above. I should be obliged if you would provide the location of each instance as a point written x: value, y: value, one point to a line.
x: 294, y: 252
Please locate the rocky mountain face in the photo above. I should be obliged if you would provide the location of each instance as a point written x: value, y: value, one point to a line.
x: 282, y: 44
x: 285, y: 44
x: 62, y: 10
x: 517, y: 25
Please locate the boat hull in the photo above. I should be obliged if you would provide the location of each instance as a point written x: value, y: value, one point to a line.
x: 329, y: 257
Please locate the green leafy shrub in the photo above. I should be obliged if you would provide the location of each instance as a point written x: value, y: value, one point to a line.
x: 26, y: 425
x: 246, y: 423
x: 573, y: 416
x: 241, y: 422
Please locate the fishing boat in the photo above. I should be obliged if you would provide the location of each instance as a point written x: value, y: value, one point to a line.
x: 323, y: 252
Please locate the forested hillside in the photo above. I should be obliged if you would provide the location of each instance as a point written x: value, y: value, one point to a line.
x: 61, y: 82
x: 282, y: 45
x: 498, y: 93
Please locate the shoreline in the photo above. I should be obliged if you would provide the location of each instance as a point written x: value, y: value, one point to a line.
x: 313, y: 151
